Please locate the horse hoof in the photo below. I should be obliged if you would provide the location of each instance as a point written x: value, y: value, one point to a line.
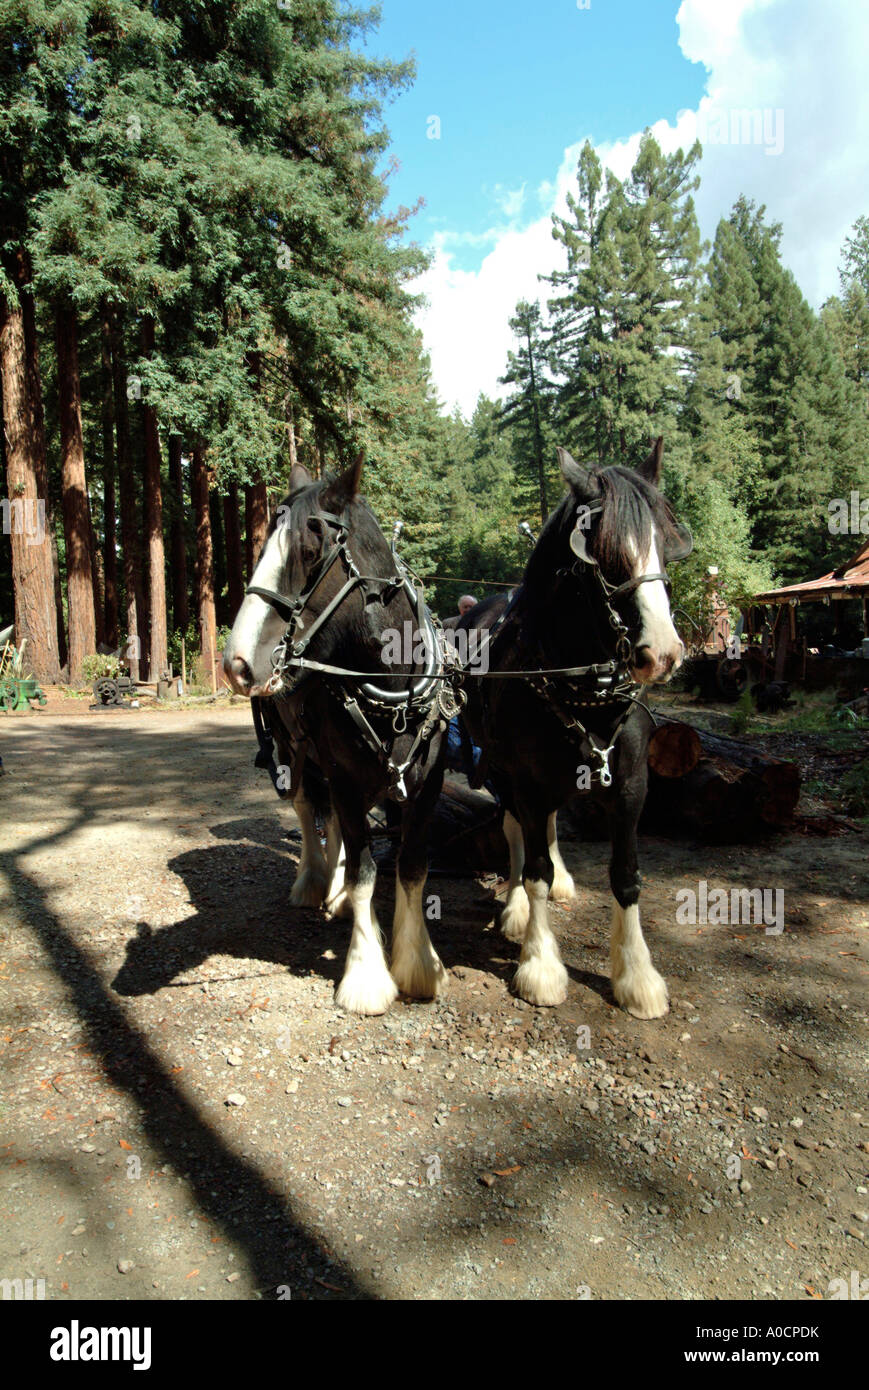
x: 563, y: 890
x: 419, y: 977
x: 643, y: 995
x: 309, y: 889
x: 364, y: 992
x: 541, y: 981
x: 514, y: 917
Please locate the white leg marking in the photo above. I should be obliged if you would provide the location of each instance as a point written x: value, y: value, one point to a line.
x: 514, y: 918
x: 563, y: 888
x: 337, y: 903
x: 309, y: 889
x: 416, y: 968
x: 541, y: 977
x: 367, y: 986
x: 636, y: 983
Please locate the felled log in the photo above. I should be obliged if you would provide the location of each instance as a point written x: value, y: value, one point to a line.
x: 674, y: 749
x: 733, y: 792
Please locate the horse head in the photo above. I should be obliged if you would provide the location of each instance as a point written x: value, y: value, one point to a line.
x: 300, y: 539
x: 623, y: 529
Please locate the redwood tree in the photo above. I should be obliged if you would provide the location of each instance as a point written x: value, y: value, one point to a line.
x: 232, y: 530
x: 157, y: 648
x: 32, y: 572
x: 76, y: 511
x: 177, y: 546
x: 256, y: 523
x: 205, y: 611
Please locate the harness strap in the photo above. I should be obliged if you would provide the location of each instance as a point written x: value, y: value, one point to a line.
x: 265, y: 758
x: 382, y: 749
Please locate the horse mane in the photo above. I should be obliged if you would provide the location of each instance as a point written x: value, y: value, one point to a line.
x: 362, y: 524
x: 632, y: 509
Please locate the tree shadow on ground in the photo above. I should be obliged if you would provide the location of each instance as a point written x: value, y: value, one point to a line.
x: 229, y: 1190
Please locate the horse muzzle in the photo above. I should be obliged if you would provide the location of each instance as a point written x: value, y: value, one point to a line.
x: 652, y: 667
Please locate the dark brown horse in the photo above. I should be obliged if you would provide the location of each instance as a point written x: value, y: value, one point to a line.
x: 594, y: 604
x: 327, y: 591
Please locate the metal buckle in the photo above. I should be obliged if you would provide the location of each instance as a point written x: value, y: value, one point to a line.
x: 604, y: 773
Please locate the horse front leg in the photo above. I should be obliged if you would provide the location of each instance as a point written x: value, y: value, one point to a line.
x: 367, y: 986
x: 541, y: 977
x: 636, y: 983
x: 416, y: 967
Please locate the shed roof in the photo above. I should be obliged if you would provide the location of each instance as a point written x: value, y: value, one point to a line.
x: 848, y: 581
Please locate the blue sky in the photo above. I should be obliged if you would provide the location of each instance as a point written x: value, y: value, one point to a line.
x: 513, y: 83
x: 518, y: 88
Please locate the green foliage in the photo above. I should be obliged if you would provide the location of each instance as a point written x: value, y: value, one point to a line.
x: 743, y: 715
x: 96, y: 665
x: 854, y: 789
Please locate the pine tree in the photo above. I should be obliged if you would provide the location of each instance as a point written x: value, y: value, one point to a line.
x: 528, y: 411
x: 622, y: 326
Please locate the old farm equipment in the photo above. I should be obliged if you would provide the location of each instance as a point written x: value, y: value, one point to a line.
x: 16, y: 689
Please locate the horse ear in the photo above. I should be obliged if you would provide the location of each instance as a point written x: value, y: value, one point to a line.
x: 341, y: 493
x: 576, y: 474
x: 299, y: 477
x: 650, y: 468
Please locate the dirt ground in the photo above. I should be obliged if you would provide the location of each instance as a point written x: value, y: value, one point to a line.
x: 185, y: 1114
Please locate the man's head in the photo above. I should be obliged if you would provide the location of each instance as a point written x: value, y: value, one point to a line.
x: 466, y: 603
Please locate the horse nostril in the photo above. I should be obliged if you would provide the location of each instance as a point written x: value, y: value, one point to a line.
x: 239, y: 673
x: 643, y: 657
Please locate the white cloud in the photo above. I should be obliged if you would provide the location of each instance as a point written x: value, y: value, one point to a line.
x: 799, y: 64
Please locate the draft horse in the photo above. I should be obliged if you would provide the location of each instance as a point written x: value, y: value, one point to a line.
x: 589, y: 625
x: 309, y: 640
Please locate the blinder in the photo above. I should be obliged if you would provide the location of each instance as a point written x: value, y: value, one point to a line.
x: 681, y: 544
x: 678, y: 545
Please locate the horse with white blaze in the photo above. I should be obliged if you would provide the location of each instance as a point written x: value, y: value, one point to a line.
x: 309, y: 640
x: 589, y: 626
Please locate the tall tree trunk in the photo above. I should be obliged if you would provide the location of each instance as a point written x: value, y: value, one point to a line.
x: 256, y: 501
x: 133, y: 604
x: 291, y: 433
x: 218, y: 548
x: 232, y: 529
x: 158, y: 648
x: 205, y: 614
x: 76, y: 514
x: 96, y: 578
x: 256, y: 523
x: 32, y: 573
x: 180, y: 614
x: 37, y: 416
x: 110, y: 535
